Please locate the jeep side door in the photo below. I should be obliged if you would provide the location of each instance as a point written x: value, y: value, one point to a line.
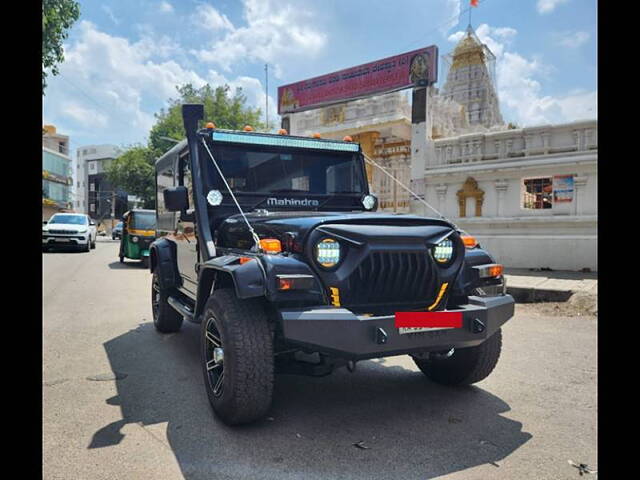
x: 185, y: 235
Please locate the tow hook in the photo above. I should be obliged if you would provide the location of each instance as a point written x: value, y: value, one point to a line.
x: 381, y: 336
x: 351, y: 366
x: 478, y: 326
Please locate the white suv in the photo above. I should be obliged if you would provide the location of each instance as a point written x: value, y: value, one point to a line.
x: 69, y: 230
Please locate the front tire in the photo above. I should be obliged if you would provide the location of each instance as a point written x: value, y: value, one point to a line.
x: 165, y: 317
x: 237, y: 357
x: 466, y: 365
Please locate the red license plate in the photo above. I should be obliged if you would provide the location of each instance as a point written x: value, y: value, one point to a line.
x: 428, y: 319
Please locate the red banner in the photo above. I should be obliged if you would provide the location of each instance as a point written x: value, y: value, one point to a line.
x: 415, y: 68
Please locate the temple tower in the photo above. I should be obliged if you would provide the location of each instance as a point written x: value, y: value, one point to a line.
x: 471, y: 82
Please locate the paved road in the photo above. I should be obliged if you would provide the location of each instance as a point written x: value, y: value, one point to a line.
x: 534, y: 413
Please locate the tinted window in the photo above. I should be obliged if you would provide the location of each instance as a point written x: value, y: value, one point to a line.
x: 262, y: 169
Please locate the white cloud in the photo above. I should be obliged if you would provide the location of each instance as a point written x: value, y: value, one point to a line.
x: 109, y: 86
x: 166, y: 7
x: 520, y: 92
x: 548, y: 6
x: 275, y: 31
x: 452, y: 14
x: 571, y: 39
x: 208, y: 18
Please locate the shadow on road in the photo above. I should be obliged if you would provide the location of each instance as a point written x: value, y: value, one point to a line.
x: 127, y: 264
x: 413, y: 428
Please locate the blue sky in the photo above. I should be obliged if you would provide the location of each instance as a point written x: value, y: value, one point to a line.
x: 124, y: 58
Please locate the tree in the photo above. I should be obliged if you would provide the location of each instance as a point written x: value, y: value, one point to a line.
x: 220, y: 107
x: 133, y: 172
x: 57, y: 18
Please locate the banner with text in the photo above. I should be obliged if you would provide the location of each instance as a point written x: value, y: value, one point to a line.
x: 415, y: 68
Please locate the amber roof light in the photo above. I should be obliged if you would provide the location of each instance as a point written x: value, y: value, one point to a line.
x: 248, y: 128
x: 210, y: 125
x: 282, y: 131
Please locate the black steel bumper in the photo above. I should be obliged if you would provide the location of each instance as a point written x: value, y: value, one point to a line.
x: 340, y: 332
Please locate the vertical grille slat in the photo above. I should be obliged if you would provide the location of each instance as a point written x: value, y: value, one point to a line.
x: 392, y: 278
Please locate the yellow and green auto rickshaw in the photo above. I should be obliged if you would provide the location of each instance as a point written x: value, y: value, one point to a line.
x: 138, y: 231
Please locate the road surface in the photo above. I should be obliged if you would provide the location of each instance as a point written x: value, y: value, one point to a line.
x: 123, y: 401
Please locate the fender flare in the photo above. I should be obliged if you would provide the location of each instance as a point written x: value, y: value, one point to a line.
x: 162, y: 257
x: 248, y: 279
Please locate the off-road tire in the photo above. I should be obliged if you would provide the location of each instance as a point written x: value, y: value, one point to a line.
x: 165, y: 318
x: 466, y: 365
x: 247, y: 341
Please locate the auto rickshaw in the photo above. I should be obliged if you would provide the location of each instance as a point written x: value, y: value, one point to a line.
x: 138, y: 231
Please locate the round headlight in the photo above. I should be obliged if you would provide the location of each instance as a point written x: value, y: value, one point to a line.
x: 134, y: 239
x: 214, y: 197
x: 369, y: 201
x: 443, y: 252
x: 328, y: 253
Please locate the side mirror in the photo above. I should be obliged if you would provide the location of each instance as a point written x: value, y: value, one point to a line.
x: 91, y: 222
x: 44, y: 222
x: 176, y: 199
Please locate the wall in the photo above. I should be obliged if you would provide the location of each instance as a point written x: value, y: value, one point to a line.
x: 563, y: 237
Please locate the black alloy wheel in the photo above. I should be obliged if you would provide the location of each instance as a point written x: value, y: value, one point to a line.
x: 214, y: 357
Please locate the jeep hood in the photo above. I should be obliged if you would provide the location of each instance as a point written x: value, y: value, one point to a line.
x: 358, y: 226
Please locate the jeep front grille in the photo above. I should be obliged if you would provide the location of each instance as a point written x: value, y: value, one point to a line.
x: 68, y: 232
x: 391, y: 278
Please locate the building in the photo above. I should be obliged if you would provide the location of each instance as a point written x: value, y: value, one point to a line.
x: 528, y: 194
x: 96, y: 196
x: 57, y: 179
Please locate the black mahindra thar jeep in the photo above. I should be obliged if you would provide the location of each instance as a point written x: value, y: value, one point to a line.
x: 272, y: 244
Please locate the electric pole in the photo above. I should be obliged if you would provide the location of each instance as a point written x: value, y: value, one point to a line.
x: 266, y: 93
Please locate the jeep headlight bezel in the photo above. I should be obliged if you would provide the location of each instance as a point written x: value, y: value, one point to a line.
x: 328, y: 253
x: 443, y: 252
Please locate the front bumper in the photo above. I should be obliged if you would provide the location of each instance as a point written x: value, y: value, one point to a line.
x: 340, y: 332
x: 63, y: 240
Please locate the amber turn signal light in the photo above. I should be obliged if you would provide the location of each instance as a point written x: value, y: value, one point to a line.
x: 496, y: 270
x: 282, y: 131
x: 469, y: 241
x: 347, y: 138
x: 244, y: 260
x: 271, y: 245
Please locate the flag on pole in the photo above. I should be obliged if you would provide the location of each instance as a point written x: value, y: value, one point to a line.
x: 474, y: 3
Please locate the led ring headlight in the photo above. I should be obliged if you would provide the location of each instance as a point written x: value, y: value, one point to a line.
x: 328, y: 252
x: 443, y: 252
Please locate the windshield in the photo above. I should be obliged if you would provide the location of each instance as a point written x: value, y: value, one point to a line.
x: 265, y: 169
x: 119, y: 225
x: 143, y: 221
x: 69, y: 219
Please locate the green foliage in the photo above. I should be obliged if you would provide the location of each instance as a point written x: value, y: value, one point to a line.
x: 220, y: 107
x: 57, y: 18
x: 512, y: 126
x: 133, y: 172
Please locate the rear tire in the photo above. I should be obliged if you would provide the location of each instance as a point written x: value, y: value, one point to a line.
x: 466, y: 365
x: 165, y: 318
x: 240, y: 386
x: 121, y: 259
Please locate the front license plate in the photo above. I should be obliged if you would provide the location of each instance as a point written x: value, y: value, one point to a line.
x: 421, y: 329
x: 63, y: 240
x: 414, y: 322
